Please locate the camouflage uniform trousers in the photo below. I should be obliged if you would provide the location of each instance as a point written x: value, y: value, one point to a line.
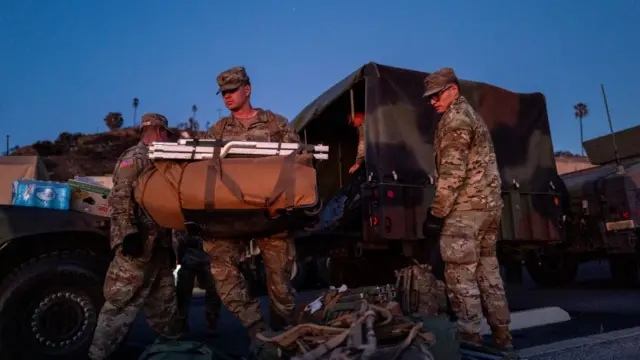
x: 186, y: 281
x: 472, y: 273
x: 132, y: 284
x: 278, y: 256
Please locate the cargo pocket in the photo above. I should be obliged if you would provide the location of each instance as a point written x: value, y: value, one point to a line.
x: 458, y: 242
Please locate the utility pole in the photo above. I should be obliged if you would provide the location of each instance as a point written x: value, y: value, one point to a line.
x: 219, y: 114
x: 619, y: 167
x: 7, y: 153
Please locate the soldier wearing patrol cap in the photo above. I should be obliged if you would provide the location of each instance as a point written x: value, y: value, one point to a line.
x: 140, y: 275
x: 465, y: 213
x: 253, y: 124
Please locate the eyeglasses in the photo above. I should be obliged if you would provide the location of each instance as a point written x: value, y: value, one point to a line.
x: 437, y: 95
x: 230, y: 91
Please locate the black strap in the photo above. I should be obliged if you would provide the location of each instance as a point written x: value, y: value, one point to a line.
x: 196, y: 142
x: 210, y: 177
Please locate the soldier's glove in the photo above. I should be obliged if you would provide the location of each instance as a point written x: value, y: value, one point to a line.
x: 133, y: 245
x: 436, y: 262
x: 432, y: 226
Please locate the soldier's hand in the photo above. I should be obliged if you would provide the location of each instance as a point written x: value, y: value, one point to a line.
x: 133, y: 245
x: 432, y: 226
x: 354, y: 168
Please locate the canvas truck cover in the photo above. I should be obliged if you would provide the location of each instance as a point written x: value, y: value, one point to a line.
x: 602, y: 151
x: 400, y: 124
x: 19, y: 167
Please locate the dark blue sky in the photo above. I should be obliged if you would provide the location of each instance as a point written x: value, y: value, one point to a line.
x: 65, y: 64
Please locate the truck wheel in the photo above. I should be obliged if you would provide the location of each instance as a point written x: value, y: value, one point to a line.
x: 49, y: 306
x: 624, y: 269
x: 551, y: 268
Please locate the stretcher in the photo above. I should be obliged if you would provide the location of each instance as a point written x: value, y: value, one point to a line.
x: 195, y: 149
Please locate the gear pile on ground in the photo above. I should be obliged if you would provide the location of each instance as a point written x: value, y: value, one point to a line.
x: 419, y: 292
x: 353, y: 324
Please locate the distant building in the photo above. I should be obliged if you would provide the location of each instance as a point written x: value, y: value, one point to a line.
x: 566, y: 164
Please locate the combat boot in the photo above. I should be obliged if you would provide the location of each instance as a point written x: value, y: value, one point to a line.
x: 502, y: 339
x: 471, y: 338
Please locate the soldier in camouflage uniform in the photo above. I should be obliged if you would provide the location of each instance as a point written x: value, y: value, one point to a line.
x: 249, y: 123
x: 194, y: 263
x: 358, y: 122
x: 141, y: 273
x: 466, y: 211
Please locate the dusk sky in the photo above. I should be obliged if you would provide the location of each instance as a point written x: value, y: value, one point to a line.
x: 67, y: 63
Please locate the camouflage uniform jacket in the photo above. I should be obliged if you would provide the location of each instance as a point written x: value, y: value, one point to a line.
x: 267, y: 126
x: 360, y: 154
x: 126, y: 216
x: 466, y: 168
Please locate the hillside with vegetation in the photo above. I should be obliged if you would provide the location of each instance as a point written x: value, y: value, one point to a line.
x: 77, y: 154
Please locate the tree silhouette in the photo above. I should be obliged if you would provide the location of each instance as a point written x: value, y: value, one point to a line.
x: 194, y: 110
x: 114, y: 120
x: 135, y: 109
x: 581, y: 111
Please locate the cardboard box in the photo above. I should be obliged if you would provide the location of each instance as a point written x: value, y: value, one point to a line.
x: 106, y: 180
x: 89, y: 198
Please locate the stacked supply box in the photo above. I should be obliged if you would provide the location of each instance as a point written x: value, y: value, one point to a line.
x: 42, y: 194
x: 89, y: 196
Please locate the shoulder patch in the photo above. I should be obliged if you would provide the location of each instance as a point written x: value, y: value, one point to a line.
x: 126, y: 163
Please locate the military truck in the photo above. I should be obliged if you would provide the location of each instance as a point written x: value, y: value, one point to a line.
x: 52, y: 267
x: 605, y: 201
x: 372, y: 220
x: 374, y: 224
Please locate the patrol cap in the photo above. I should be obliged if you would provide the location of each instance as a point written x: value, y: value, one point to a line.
x: 438, y: 80
x: 232, y: 79
x: 154, y: 119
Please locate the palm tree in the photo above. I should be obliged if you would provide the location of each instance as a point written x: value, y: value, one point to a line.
x: 135, y: 109
x: 581, y: 111
x: 194, y: 109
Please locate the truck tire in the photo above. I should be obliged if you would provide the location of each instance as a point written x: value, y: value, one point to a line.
x: 49, y: 306
x: 551, y: 268
x: 624, y: 269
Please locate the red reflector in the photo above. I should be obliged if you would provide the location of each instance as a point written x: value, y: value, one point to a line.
x: 390, y: 193
x: 374, y: 220
x: 625, y: 214
x: 555, y: 201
